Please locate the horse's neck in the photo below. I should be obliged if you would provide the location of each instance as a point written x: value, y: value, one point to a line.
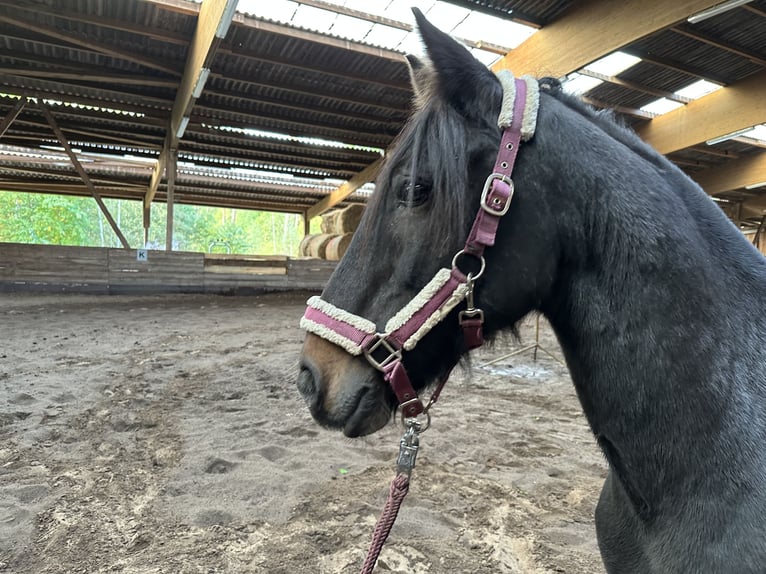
x: 664, y: 331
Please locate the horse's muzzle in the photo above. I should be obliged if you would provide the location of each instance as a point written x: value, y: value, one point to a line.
x: 342, y: 391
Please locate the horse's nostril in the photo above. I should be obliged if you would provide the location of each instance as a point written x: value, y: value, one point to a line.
x: 307, y: 385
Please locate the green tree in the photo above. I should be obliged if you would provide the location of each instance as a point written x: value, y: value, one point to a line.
x: 66, y: 220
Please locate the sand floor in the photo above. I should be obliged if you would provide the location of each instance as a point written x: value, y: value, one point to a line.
x: 165, y: 435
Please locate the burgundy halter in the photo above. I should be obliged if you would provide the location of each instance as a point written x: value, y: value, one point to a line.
x: 448, y: 288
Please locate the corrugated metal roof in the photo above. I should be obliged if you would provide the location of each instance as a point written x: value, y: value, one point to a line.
x: 269, y: 77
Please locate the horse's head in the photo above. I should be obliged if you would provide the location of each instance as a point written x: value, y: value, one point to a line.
x: 425, y: 200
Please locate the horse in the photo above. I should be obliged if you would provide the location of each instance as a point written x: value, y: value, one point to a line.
x: 657, y: 300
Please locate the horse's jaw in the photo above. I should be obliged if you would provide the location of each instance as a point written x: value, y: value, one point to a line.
x: 342, y: 391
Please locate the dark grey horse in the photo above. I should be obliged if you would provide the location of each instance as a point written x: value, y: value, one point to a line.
x: 658, y: 302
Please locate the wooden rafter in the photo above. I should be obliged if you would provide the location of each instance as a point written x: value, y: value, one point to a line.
x: 12, y: 114
x: 213, y: 17
x: 85, y: 75
x: 636, y: 86
x: 632, y: 112
x: 738, y: 106
x: 79, y: 94
x: 709, y: 150
x: 83, y: 174
x: 683, y: 68
x: 732, y: 175
x: 334, y: 198
x: 595, y: 29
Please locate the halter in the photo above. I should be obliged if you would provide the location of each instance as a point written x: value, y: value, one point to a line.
x: 449, y: 287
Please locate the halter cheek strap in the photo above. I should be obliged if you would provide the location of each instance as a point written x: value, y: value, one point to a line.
x: 449, y: 287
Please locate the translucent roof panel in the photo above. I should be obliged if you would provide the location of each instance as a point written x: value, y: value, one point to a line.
x: 313, y: 18
x: 577, y: 84
x: 493, y: 30
x: 351, y: 28
x: 698, y: 89
x: 757, y: 133
x: 612, y: 64
x: 464, y: 24
x: 661, y: 106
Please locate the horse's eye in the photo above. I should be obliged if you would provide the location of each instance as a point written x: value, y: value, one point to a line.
x: 409, y: 195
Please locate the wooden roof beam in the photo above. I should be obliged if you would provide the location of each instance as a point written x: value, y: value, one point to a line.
x: 213, y: 22
x: 732, y: 108
x: 334, y: 198
x: 594, y: 29
x: 732, y: 175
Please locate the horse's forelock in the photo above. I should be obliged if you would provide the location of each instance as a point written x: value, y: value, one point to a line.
x: 434, y: 146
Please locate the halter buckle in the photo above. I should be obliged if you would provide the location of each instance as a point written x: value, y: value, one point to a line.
x: 493, y: 209
x: 393, y: 353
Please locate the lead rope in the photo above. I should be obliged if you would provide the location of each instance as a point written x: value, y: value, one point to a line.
x: 400, y: 486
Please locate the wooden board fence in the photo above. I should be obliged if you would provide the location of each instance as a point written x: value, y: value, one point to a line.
x: 55, y: 268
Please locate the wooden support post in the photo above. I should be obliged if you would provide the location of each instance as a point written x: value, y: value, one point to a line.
x: 171, y: 173
x: 12, y: 115
x: 306, y: 223
x: 81, y: 171
x: 147, y: 221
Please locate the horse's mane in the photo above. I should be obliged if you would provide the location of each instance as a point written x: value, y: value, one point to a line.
x: 708, y: 223
x: 608, y: 122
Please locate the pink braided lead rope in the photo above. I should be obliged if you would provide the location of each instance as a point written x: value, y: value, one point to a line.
x: 408, y: 452
x: 399, y: 488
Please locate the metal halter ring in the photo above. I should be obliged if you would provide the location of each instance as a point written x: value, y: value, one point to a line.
x: 408, y: 421
x: 479, y: 257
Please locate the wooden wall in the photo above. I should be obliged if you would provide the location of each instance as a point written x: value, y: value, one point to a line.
x: 55, y: 268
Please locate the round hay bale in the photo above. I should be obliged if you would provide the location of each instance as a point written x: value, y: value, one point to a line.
x: 328, y: 224
x: 303, y: 246
x: 338, y: 246
x: 318, y: 245
x: 347, y: 219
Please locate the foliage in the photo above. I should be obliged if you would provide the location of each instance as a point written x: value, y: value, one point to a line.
x: 64, y: 220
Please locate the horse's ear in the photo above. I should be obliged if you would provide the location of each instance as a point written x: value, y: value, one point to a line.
x: 423, y: 79
x: 460, y: 77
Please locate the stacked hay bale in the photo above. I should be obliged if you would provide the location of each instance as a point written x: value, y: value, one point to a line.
x: 338, y: 228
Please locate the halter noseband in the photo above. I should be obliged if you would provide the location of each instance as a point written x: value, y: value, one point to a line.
x: 448, y: 288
